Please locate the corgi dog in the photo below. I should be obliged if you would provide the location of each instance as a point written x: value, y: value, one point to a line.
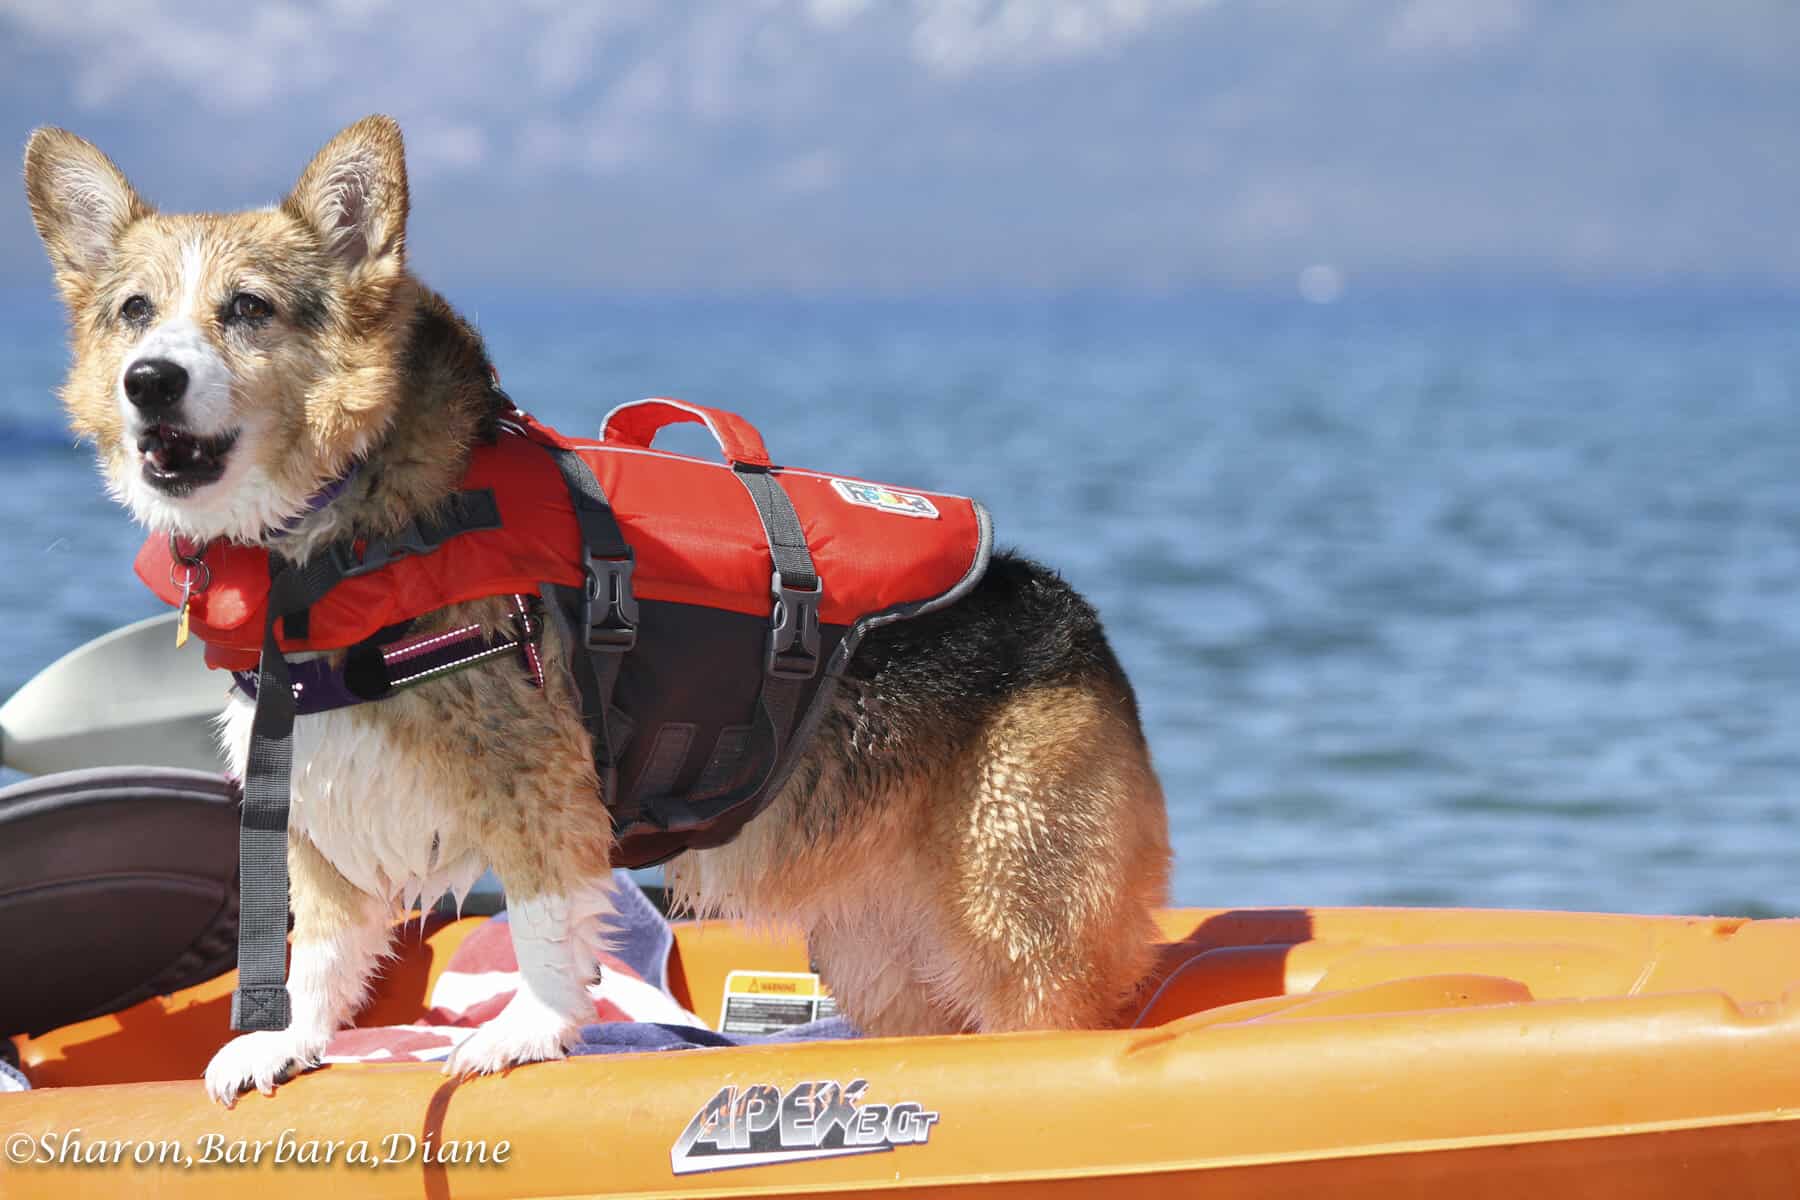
x: 974, y: 839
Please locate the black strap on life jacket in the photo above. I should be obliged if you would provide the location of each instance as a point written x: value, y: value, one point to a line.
x: 795, y: 588
x: 655, y: 827
x: 605, y: 617
x: 261, y: 1000
x: 600, y: 624
x: 792, y: 658
x: 461, y: 512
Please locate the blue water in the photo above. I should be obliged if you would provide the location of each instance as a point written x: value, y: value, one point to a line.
x: 1428, y: 601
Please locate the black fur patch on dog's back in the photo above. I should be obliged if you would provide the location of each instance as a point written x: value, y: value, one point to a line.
x: 1021, y: 627
x: 916, y: 686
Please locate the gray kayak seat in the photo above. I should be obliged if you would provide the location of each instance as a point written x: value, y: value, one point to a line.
x: 116, y: 884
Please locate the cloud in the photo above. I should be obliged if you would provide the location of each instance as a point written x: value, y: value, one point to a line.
x: 452, y: 145
x: 225, y: 56
x: 1456, y: 26
x: 812, y: 172
x: 221, y: 56
x: 938, y: 143
x: 956, y: 36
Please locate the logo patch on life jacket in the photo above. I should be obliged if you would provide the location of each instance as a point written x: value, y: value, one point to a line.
x: 873, y: 495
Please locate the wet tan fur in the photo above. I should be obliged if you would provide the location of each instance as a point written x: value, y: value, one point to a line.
x: 1007, y: 883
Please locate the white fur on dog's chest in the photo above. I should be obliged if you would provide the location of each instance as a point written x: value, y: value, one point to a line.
x: 371, y: 810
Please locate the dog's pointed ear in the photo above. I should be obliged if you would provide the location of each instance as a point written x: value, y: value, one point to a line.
x: 81, y: 203
x: 353, y: 194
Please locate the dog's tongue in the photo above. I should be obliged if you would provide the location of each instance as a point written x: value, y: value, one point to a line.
x: 169, y: 449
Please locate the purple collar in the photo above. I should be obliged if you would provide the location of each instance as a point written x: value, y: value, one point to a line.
x: 319, y: 499
x: 318, y: 686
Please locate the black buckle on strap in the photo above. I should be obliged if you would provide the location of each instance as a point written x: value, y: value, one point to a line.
x: 793, y: 631
x: 462, y: 512
x: 410, y: 538
x: 342, y: 557
x: 609, y: 609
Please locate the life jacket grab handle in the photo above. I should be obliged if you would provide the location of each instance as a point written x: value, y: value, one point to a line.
x: 637, y: 422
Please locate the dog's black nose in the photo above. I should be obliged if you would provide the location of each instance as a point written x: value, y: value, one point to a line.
x: 154, y: 384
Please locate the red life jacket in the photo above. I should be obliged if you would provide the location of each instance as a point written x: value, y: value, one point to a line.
x: 692, y: 525
x: 694, y: 760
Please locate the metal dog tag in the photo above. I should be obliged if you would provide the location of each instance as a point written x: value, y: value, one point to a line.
x: 192, y: 568
x: 181, y: 624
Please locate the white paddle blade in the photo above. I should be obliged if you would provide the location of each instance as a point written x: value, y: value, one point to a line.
x: 127, y: 698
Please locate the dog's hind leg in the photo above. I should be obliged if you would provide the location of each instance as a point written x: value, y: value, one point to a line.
x: 340, y: 934
x: 872, y: 967
x: 1052, y: 860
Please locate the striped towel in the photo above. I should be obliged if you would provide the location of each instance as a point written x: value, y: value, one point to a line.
x: 483, y: 974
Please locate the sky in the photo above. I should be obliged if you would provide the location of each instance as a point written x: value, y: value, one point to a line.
x: 924, y: 146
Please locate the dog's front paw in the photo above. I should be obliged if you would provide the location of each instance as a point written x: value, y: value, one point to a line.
x: 524, y: 1032
x: 260, y: 1061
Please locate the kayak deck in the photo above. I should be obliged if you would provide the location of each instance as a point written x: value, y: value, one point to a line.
x: 1355, y: 1051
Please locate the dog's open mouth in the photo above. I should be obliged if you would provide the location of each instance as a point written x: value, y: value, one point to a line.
x: 177, y: 462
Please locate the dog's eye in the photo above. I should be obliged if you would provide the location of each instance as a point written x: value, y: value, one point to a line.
x: 247, y: 306
x: 135, y: 309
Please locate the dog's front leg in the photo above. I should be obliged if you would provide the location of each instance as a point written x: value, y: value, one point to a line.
x: 340, y: 935
x: 545, y: 1016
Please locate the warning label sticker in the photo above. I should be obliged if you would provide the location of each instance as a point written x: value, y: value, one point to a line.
x: 770, y: 1001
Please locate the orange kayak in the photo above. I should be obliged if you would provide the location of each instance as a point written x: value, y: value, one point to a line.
x: 1325, y: 1052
